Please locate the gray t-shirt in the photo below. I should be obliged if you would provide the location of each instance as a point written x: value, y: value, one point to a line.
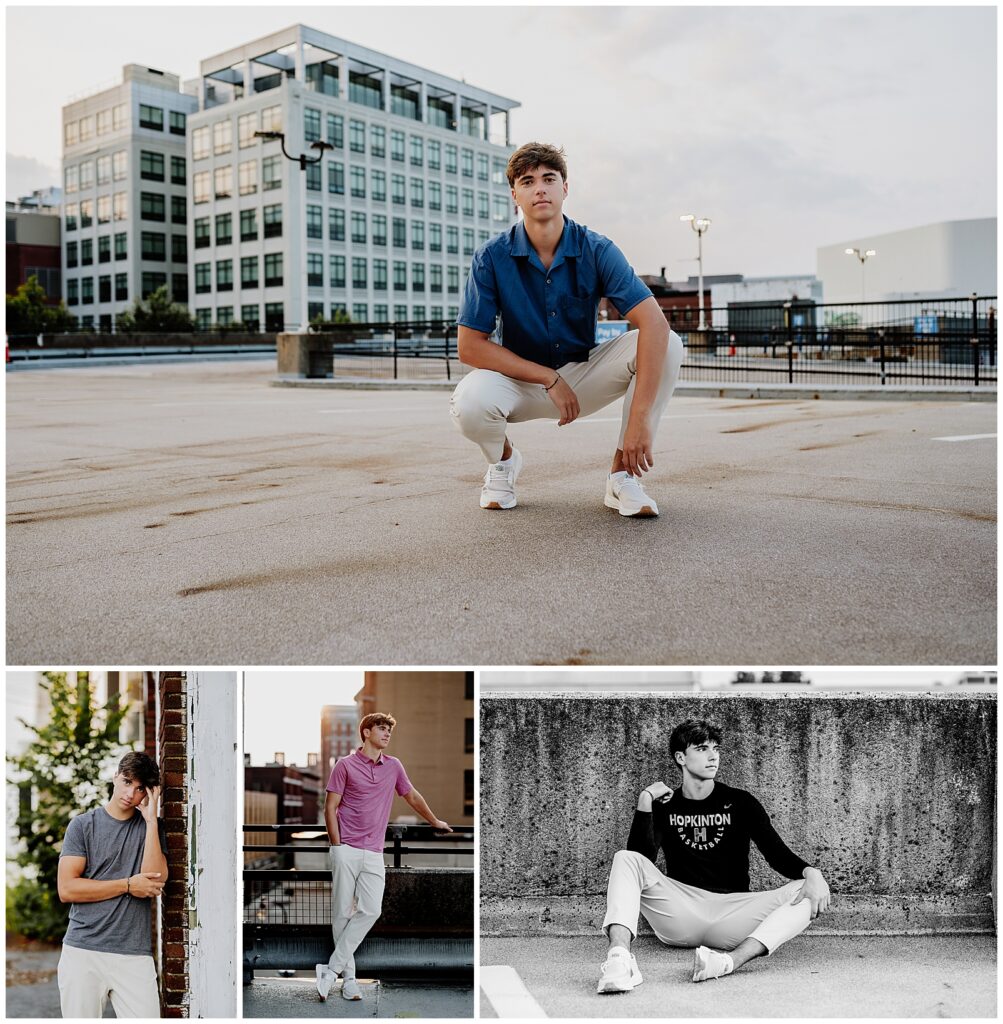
x: 113, y: 849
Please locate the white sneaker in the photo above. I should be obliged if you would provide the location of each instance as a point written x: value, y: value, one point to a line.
x: 325, y: 979
x: 709, y: 963
x: 499, y: 482
x: 619, y: 972
x: 350, y: 989
x: 625, y: 493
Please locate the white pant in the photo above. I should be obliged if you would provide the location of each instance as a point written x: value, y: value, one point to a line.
x: 358, y: 878
x: 683, y: 915
x: 87, y: 978
x: 486, y: 401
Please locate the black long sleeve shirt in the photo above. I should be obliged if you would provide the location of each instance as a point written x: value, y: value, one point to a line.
x: 706, y: 842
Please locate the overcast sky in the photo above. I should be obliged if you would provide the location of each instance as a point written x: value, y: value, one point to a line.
x: 790, y: 127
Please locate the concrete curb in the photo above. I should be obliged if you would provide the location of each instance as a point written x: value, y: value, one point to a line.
x: 692, y: 389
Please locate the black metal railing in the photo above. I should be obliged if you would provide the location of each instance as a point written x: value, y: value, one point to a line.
x: 413, y: 349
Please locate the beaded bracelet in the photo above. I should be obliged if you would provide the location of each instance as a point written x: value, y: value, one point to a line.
x: 554, y: 385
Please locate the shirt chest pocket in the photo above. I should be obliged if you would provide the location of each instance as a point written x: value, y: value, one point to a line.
x: 576, y: 310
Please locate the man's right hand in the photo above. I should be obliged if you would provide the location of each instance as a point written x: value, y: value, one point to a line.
x: 146, y: 884
x: 562, y: 394
x: 656, y: 791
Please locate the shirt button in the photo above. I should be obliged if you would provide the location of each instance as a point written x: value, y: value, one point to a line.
x: 553, y: 313
x: 548, y: 280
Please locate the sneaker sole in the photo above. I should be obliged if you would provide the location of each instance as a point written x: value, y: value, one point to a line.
x: 644, y: 512
x: 609, y: 988
x: 499, y: 505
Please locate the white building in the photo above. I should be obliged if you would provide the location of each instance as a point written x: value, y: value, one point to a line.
x: 382, y: 228
x: 951, y: 259
x: 125, y: 215
x: 756, y: 290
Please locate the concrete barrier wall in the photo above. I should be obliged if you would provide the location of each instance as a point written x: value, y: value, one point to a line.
x: 893, y: 797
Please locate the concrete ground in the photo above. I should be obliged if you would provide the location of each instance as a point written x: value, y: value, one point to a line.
x: 31, y: 989
x: 190, y: 512
x: 812, y: 976
x: 297, y: 997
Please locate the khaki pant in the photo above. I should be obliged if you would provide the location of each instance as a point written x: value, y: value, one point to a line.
x: 87, y: 978
x: 485, y: 401
x: 358, y: 880
x: 683, y: 915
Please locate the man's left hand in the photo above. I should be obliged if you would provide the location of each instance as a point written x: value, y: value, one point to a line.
x: 149, y: 807
x: 441, y: 826
x: 816, y: 891
x: 637, y: 445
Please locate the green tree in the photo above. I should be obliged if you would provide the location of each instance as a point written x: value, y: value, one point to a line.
x: 158, y: 314
x: 28, y: 311
x: 64, y: 771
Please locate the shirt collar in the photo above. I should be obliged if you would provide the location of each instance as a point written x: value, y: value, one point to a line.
x: 569, y: 245
x: 359, y: 754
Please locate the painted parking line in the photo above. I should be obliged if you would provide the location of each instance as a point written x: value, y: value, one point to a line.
x: 507, y: 993
x: 964, y: 437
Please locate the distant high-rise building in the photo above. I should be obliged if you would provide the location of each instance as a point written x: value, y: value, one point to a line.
x: 382, y: 227
x: 125, y: 184
x: 339, y: 735
x: 434, y: 736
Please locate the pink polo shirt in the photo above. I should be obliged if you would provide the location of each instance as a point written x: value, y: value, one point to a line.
x: 367, y: 792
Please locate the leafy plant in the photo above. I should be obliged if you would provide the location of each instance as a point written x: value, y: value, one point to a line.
x: 29, y: 311
x: 158, y: 314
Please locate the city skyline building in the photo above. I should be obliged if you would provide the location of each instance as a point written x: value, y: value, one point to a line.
x: 339, y: 735
x: 382, y: 227
x: 125, y: 188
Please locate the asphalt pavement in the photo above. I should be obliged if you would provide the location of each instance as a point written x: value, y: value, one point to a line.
x: 191, y: 513
x: 810, y: 976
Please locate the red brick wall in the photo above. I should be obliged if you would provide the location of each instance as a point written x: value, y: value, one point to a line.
x: 173, y: 747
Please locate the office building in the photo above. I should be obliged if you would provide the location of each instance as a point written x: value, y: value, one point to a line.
x: 33, y: 248
x: 382, y: 227
x: 339, y: 735
x: 125, y: 213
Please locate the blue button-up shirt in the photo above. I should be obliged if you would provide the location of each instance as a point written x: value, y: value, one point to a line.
x: 548, y: 316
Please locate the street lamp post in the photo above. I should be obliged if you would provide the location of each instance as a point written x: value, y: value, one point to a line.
x: 863, y: 256
x: 303, y: 160
x: 700, y: 225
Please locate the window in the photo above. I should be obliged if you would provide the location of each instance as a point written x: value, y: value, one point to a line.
x: 104, y: 121
x: 120, y: 205
x: 86, y: 175
x: 120, y: 165
x: 396, y: 145
x: 250, y: 317
x: 119, y: 116
x: 121, y: 287
x: 104, y: 288
x: 272, y: 218
x: 121, y: 246
x: 435, y: 238
x: 360, y: 312
x: 498, y: 175
x: 435, y: 278
x: 400, y: 279
x: 468, y: 736
x: 365, y: 89
x: 400, y: 313
x: 71, y: 179
x: 452, y: 281
x: 359, y: 272
x: 450, y: 158
x: 247, y: 125
x: 150, y: 282
x: 467, y: 163
x: 271, y: 173
x: 336, y: 130
x: 468, y: 241
x: 71, y: 254
x: 434, y: 196
x: 417, y: 151
x: 358, y: 175
x: 153, y: 245
x: 222, y: 137
x: 71, y: 133
x: 468, y: 202
x: 203, y: 278
x: 104, y: 209
x: 359, y: 228
x: 200, y: 143
x: 177, y: 122
x: 311, y: 124
x: 400, y: 233
x: 483, y: 206
x: 452, y: 196
x: 247, y: 177
x: 379, y: 186
x: 104, y: 249
x: 379, y: 229
x: 71, y: 212
x: 224, y: 228
x: 315, y: 270
x: 248, y: 225
x: 273, y: 269
x: 179, y: 248
x: 178, y: 171
x: 418, y: 235
x: 86, y: 128
x: 271, y: 118
x: 152, y: 206
x: 203, y: 319
x: 336, y: 225
x: 337, y: 271
x: 275, y: 317
x: 380, y: 275
x: 435, y: 313
x: 203, y: 236
x: 104, y: 170
x: 336, y: 178
x: 224, y: 276
x: 468, y: 791
x: 417, y: 193
x: 380, y: 313
x: 72, y: 296
x: 87, y: 290
x: 248, y: 271
x: 377, y: 140
x: 151, y: 117
x: 86, y: 212
x: 482, y: 167
x: 179, y: 287
x: 314, y: 311
x: 222, y: 178
x: 224, y: 316
x: 314, y: 222
x: 313, y: 177
x: 434, y: 154
x: 418, y: 277
x: 357, y: 136
x: 398, y: 189
x: 499, y: 209
x: 179, y: 210
x: 200, y: 186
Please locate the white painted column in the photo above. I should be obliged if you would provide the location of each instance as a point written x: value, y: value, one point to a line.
x: 214, y: 830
